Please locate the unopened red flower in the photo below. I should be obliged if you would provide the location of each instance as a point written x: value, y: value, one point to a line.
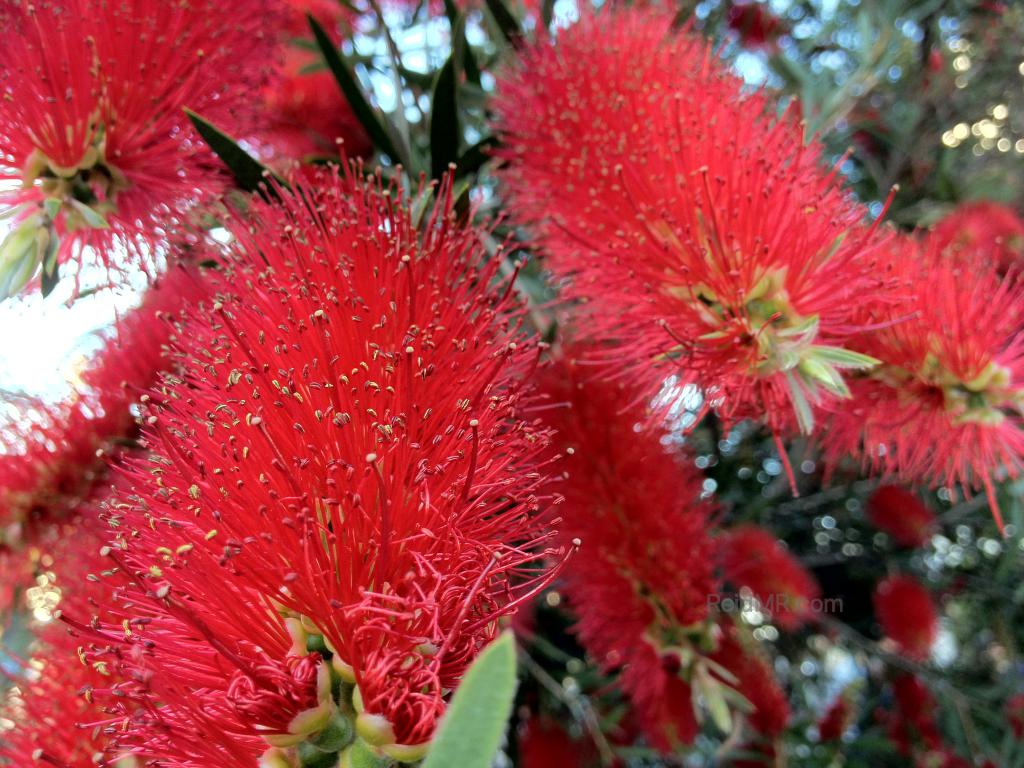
x: 908, y: 616
x: 752, y: 557
x: 769, y: 709
x: 340, y: 468
x: 983, y: 234
x: 93, y: 128
x: 902, y: 515
x: 699, y: 231
x: 634, y: 507
x: 944, y: 407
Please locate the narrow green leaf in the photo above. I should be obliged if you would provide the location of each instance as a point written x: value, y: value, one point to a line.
x: 248, y: 172
x: 367, y: 115
x: 507, y: 24
x: 471, y: 731
x: 472, y: 159
x: 444, y: 116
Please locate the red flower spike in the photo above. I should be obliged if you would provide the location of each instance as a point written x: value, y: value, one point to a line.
x: 634, y: 506
x: 700, y: 233
x: 343, y: 453
x: 544, y: 743
x: 755, y: 681
x: 62, y: 449
x: 984, y: 234
x: 945, y: 405
x: 907, y: 614
x: 754, y: 24
x: 1015, y: 714
x: 839, y: 716
x: 92, y: 124
x: 902, y: 515
x: 752, y: 557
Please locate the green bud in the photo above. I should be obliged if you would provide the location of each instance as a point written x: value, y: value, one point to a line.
x: 337, y: 734
x: 362, y: 755
x: 19, y: 257
x: 375, y: 729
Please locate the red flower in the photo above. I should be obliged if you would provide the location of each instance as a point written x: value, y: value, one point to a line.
x: 701, y: 233
x: 635, y: 506
x: 983, y: 234
x: 944, y: 407
x: 342, y: 458
x: 755, y: 682
x: 755, y: 25
x: 752, y: 557
x: 911, y: 724
x: 544, y: 743
x: 907, y: 614
x: 902, y: 515
x: 62, y: 449
x: 837, y: 718
x: 307, y: 113
x: 1015, y: 714
x: 92, y: 123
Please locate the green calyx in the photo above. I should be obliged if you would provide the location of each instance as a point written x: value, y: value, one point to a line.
x: 785, y: 343
x: 986, y: 399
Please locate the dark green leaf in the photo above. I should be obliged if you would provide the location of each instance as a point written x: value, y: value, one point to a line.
x: 506, y: 22
x: 367, y: 115
x: 470, y: 733
x: 444, y: 116
x: 248, y: 172
x: 473, y: 158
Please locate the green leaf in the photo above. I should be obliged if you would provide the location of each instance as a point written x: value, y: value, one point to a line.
x: 367, y: 115
x: 470, y: 733
x: 507, y: 24
x: 444, y: 116
x: 248, y: 172
x: 472, y: 159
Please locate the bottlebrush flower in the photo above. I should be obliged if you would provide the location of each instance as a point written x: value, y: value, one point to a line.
x: 982, y: 233
x: 635, y: 507
x: 307, y: 114
x: 945, y: 405
x: 700, y: 233
x: 1015, y: 714
x: 752, y: 557
x: 58, y: 452
x: 342, y: 464
x: 755, y: 25
x: 544, y: 743
x: 902, y: 515
x: 911, y: 724
x: 907, y: 614
x: 837, y: 718
x: 755, y: 681
x: 92, y: 125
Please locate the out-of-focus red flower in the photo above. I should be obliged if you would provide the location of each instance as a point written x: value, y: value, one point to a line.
x: 907, y: 613
x: 59, y: 452
x: 912, y: 727
x: 756, y: 681
x: 902, y: 515
x: 544, y: 743
x: 837, y: 718
x: 342, y: 457
x: 752, y: 557
x: 306, y: 114
x: 944, y: 405
x: 93, y: 128
x: 982, y: 234
x: 754, y: 24
x: 634, y: 506
x: 1015, y: 714
x: 701, y: 233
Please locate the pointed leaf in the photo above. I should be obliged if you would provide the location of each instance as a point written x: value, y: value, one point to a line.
x: 444, y: 118
x: 473, y: 159
x: 367, y: 115
x: 248, y: 172
x: 470, y: 733
x: 506, y: 22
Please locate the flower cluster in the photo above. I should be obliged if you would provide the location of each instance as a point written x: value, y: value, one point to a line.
x: 98, y: 157
x: 907, y: 614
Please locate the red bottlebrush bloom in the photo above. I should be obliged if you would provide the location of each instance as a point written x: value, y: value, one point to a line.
x: 907, y: 614
x: 911, y: 724
x: 982, y: 233
x: 755, y: 682
x: 837, y: 718
x: 902, y: 515
x: 755, y: 25
x: 308, y: 115
x: 544, y: 743
x: 92, y: 122
x: 635, y: 507
x: 58, y: 452
x: 752, y: 557
x: 944, y: 405
x: 1015, y: 714
x: 342, y: 456
x: 726, y: 255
